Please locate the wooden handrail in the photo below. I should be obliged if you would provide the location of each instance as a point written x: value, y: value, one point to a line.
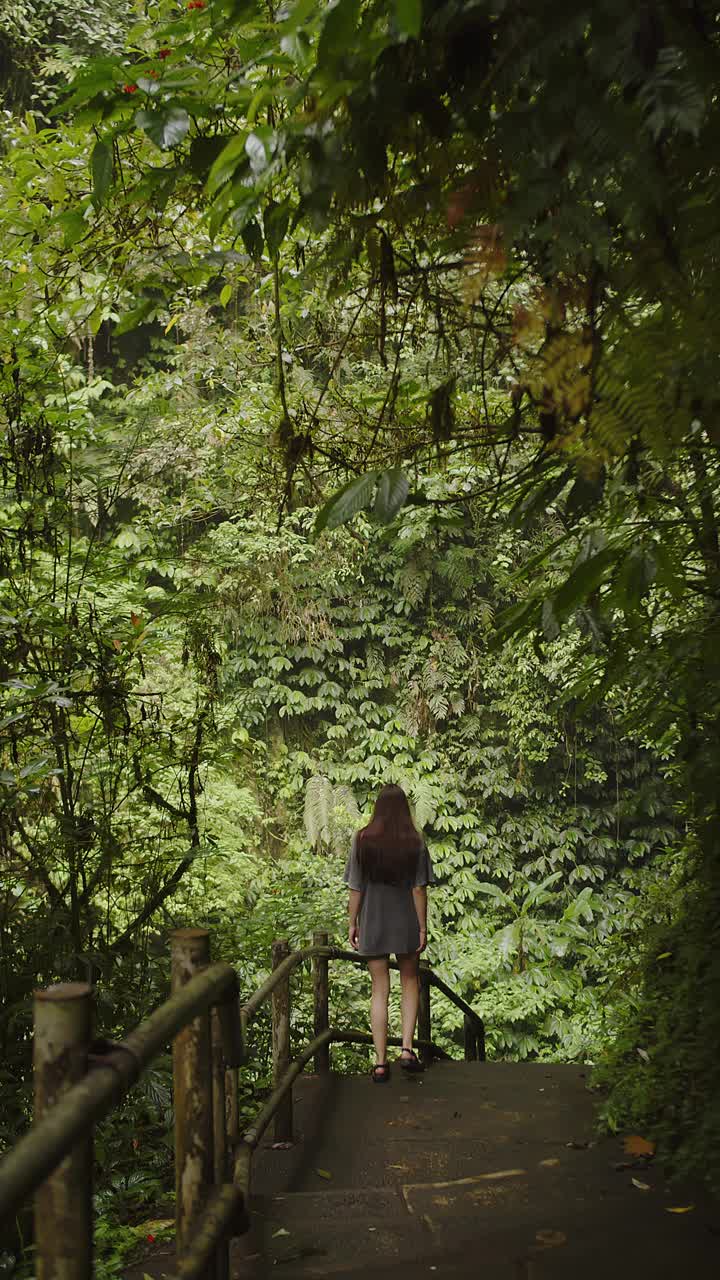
x: 220, y: 1210
x: 296, y: 958
x: 337, y: 954
x: 111, y: 1075
x: 332, y: 1035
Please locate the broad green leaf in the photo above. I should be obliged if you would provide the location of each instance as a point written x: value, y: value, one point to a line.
x: 539, y: 497
x: 493, y: 891
x: 538, y: 890
x: 392, y: 490
x: 223, y: 166
x: 636, y: 577
x: 225, y: 294
x: 583, y: 581
x: 73, y: 226
x: 275, y: 221
x: 257, y: 148
x: 243, y: 205
x: 299, y: 13
x: 508, y: 939
x: 409, y: 15
x: 527, y: 569
x: 165, y: 128
x: 337, y: 33
x: 240, y: 11
x: 550, y: 623
x: 252, y: 238
x: 585, y: 493
x: 669, y: 571
x: 519, y: 617
x: 131, y: 319
x: 101, y: 167
x: 89, y: 82
x: 346, y: 503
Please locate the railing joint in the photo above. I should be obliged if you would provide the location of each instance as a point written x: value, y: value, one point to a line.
x: 117, y: 1055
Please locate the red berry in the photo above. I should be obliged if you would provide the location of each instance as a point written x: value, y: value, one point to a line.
x: 150, y: 1239
x: 164, y: 53
x: 129, y: 88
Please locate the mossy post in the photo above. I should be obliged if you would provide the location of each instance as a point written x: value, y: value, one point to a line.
x: 63, y: 1202
x: 424, y: 1014
x: 321, y: 1002
x: 281, y: 1042
x: 193, y: 1094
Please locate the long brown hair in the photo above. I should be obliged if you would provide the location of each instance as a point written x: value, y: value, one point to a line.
x: 388, y: 847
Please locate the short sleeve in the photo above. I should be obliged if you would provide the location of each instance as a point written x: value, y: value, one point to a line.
x: 353, y: 876
x: 424, y: 874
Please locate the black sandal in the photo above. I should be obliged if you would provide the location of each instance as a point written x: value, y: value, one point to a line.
x: 384, y: 1077
x: 411, y: 1064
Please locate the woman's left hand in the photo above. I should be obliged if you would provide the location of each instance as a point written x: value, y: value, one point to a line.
x: 354, y: 936
x: 423, y: 940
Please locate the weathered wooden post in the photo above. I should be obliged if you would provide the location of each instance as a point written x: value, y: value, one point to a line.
x: 424, y: 1014
x: 321, y: 1002
x: 193, y: 1093
x: 470, y: 1039
x: 281, y: 1042
x: 218, y: 1091
x: 222, y: 1257
x: 63, y: 1204
x: 232, y: 1115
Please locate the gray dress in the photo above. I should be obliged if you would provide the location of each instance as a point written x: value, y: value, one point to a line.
x: 388, y: 921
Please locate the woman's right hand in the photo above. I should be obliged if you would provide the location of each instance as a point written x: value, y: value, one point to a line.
x: 423, y: 940
x: 354, y: 936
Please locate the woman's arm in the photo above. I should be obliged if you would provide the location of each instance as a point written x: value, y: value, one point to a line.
x: 420, y: 900
x: 354, y: 901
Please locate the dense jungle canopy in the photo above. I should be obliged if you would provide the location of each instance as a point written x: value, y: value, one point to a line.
x: 359, y: 376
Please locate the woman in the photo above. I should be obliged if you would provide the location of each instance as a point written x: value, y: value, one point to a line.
x: 387, y: 873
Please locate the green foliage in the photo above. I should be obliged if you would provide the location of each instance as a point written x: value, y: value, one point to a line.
x: 443, y: 274
x: 330, y: 814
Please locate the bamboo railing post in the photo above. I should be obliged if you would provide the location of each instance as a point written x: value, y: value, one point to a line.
x: 218, y: 1096
x: 321, y: 1003
x: 281, y: 1042
x: 193, y: 1094
x: 470, y: 1039
x: 232, y: 1114
x: 222, y: 1257
x: 63, y: 1202
x: 424, y: 1014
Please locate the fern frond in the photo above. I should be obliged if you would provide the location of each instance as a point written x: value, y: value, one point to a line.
x: 329, y: 813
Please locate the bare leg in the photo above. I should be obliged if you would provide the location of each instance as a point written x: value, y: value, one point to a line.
x: 380, y: 975
x: 409, y: 996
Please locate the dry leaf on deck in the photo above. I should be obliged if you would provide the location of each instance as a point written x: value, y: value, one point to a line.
x: 641, y: 1186
x: 634, y: 1145
x: 323, y: 1173
x: 680, y: 1208
x: 550, y: 1238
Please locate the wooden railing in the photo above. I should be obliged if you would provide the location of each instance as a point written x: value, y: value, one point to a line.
x: 79, y: 1080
